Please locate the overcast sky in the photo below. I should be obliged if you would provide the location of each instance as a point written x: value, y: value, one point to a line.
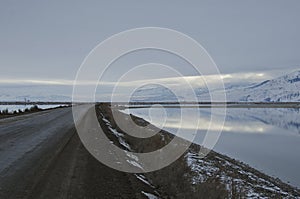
x: 50, y: 39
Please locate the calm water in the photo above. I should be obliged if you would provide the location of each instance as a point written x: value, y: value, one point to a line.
x: 266, y: 139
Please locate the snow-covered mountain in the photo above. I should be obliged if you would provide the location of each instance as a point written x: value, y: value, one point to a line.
x: 282, y: 89
x: 152, y: 93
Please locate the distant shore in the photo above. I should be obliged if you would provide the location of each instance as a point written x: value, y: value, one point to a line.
x: 32, y: 103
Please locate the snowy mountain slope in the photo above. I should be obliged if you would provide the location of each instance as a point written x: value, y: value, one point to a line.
x: 282, y: 89
x: 153, y: 93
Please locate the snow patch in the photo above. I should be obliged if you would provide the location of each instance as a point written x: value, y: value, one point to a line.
x: 250, y: 182
x: 149, y: 195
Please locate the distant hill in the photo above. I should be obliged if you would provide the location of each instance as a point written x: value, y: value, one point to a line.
x: 282, y: 89
x: 49, y: 93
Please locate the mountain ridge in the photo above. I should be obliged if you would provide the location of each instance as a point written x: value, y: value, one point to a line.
x: 285, y: 88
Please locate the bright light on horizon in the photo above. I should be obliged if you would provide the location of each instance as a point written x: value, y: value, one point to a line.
x: 250, y: 77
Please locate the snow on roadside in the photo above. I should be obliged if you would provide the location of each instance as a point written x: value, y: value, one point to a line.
x: 143, y: 179
x: 246, y: 181
x: 133, y: 160
x: 149, y: 195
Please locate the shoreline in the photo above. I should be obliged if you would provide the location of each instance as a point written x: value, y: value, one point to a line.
x: 213, y: 157
x: 15, y: 114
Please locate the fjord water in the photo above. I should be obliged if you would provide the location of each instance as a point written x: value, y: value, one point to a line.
x: 267, y: 139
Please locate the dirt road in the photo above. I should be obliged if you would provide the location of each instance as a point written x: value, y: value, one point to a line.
x: 41, y: 156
